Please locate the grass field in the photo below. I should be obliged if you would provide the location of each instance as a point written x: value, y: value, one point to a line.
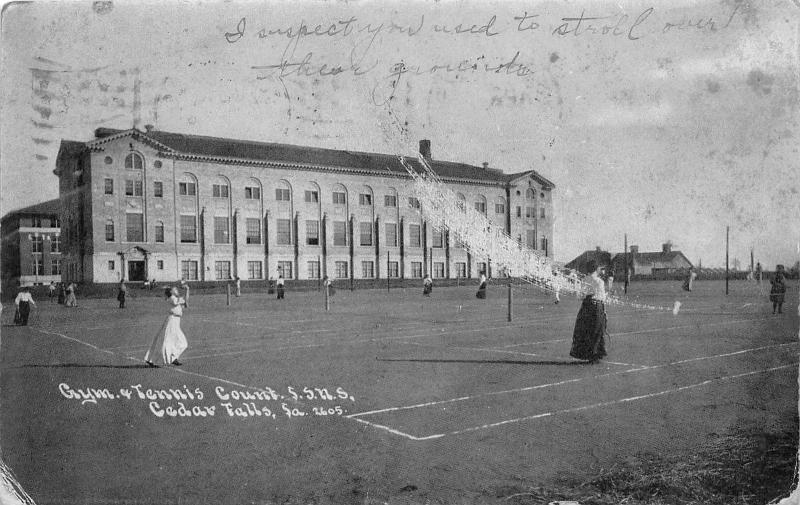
x: 437, y: 400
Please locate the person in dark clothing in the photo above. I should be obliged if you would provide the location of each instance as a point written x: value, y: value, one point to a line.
x: 777, y: 293
x: 482, y: 287
x: 122, y: 293
x: 588, y: 338
x: 23, y: 302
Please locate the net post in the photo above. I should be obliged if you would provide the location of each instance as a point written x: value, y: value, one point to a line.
x: 227, y: 293
x: 510, y: 300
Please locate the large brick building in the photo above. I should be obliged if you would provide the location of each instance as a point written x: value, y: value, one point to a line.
x: 32, y: 245
x: 153, y: 204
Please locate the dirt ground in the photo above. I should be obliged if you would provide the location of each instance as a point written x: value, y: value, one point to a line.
x: 388, y: 397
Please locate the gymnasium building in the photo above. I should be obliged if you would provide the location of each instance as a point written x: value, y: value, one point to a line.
x: 142, y: 205
x: 31, y: 246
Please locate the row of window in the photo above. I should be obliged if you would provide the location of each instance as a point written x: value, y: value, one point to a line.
x: 45, y: 222
x: 134, y: 228
x: 37, y: 244
x: 38, y: 266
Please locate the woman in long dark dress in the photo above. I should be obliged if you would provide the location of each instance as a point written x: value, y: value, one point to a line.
x: 588, y: 339
x: 777, y: 293
x: 482, y: 287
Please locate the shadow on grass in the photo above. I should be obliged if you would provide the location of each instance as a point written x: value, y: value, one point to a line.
x: 79, y: 365
x: 483, y: 361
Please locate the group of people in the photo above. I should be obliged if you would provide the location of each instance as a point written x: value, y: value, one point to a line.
x: 63, y: 293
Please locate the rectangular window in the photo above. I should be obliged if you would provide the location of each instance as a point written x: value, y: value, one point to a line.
x: 366, y: 233
x: 133, y: 188
x: 159, y: 232
x: 111, y: 265
x: 38, y: 265
x: 541, y: 214
x: 189, y: 270
x: 339, y: 198
x: 222, y: 269
x: 413, y: 235
x: 480, y: 207
x: 55, y: 222
x: 158, y: 189
x: 341, y: 270
x: 160, y: 264
x: 391, y: 234
x: 340, y: 233
x: 367, y: 269
x: 134, y: 227
x: 394, y: 269
x: 530, y: 238
x: 55, y: 266
x: 312, y: 197
x: 187, y: 189
x: 108, y: 186
x: 530, y: 212
x: 252, y: 193
x: 37, y: 243
x: 37, y: 221
x: 222, y: 234
x: 253, y: 230
x: 390, y: 201
x: 109, y: 231
x: 188, y: 229
x: 482, y: 269
x: 437, y: 238
x: 499, y: 208
x: 219, y: 191
x: 416, y: 270
x: 282, y: 194
x: 312, y: 232
x: 254, y: 270
x: 55, y: 244
x: 544, y: 243
x: 285, y: 269
x: 413, y: 202
x: 438, y: 270
x: 364, y: 199
x: 284, y: 227
x: 519, y: 211
x: 312, y: 267
x: 461, y: 270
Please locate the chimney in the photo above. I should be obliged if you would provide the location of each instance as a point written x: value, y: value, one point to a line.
x: 666, y: 247
x: 425, y: 148
x: 597, y: 248
x: 485, y: 165
x: 634, y: 249
x: 148, y: 127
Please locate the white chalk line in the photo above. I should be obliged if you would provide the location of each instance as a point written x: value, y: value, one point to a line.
x: 559, y: 383
x: 573, y: 409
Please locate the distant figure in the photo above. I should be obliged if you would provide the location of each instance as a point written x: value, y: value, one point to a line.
x: 482, y: 287
x: 610, y: 279
x: 170, y: 342
x: 23, y: 304
x: 51, y: 291
x: 688, y: 284
x: 71, y: 301
x: 556, y: 287
x: 777, y: 293
x: 238, y: 287
x: 271, y: 286
x: 122, y: 292
x: 153, y: 284
x: 758, y: 273
x: 427, y: 286
x: 62, y: 293
x: 326, y: 282
x: 280, y: 287
x: 588, y: 339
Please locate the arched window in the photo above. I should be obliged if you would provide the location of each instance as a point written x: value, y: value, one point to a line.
x: 530, y: 194
x: 311, y: 194
x: 480, y: 204
x: 339, y: 195
x: 462, y: 201
x: 366, y: 197
x: 283, y: 191
x: 187, y: 185
x: 134, y: 161
x: 221, y: 188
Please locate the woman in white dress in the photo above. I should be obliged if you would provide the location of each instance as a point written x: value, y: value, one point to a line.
x: 170, y: 342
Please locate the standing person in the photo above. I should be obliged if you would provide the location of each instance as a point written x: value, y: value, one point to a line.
x: 758, y: 273
x: 327, y: 283
x: 51, y: 291
x: 170, y: 342
x: 777, y: 293
x: 688, y: 284
x: 280, y: 287
x: 122, y: 292
x: 427, y: 286
x: 588, y: 339
x: 23, y: 302
x: 271, y: 286
x: 238, y: 287
x: 62, y: 293
x: 610, y: 278
x: 556, y: 287
x: 482, y: 287
x: 71, y: 301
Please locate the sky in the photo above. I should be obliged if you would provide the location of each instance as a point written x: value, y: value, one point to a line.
x: 665, y: 121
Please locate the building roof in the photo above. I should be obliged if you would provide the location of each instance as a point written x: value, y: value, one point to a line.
x: 222, y: 149
x: 601, y: 257
x: 49, y: 207
x: 651, y: 258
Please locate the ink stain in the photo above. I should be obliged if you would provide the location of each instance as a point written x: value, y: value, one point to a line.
x: 554, y: 57
x: 712, y: 86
